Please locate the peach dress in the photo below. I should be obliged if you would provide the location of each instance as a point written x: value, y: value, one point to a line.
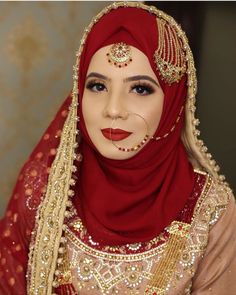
x: 197, y: 258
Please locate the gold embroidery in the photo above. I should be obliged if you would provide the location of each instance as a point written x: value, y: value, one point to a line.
x: 77, y: 225
x: 214, y: 196
x: 50, y: 216
x: 110, y: 256
x: 105, y: 272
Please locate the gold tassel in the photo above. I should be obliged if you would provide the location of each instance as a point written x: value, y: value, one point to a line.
x: 169, y: 56
x: 158, y: 284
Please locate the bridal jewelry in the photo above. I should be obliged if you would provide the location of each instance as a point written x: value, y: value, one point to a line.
x: 140, y: 144
x: 169, y: 56
x: 119, y: 55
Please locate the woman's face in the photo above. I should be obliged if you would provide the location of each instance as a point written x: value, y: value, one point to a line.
x: 121, y: 105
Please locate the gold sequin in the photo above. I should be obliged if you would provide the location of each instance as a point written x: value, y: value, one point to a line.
x: 58, y: 133
x: 64, y: 113
x: 18, y: 247
x: 11, y: 281
x: 33, y: 173
x: 28, y: 232
x: 53, y: 152
x: 28, y: 191
x: 43, y: 189
x: 15, y: 217
x: 7, y: 233
x: 19, y: 268
x: 16, y: 196
x: 46, y: 136
x: 3, y: 261
x: 39, y: 155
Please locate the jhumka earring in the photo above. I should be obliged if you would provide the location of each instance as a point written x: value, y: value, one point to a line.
x: 137, y: 146
x: 119, y: 55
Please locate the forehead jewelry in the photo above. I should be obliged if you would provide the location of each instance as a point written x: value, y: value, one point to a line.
x: 137, y: 146
x: 119, y: 55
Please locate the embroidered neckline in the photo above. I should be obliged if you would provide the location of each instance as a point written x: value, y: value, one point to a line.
x: 78, y: 234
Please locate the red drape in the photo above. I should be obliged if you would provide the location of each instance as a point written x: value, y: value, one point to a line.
x: 18, y: 223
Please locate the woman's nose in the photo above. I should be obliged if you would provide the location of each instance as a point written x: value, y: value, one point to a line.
x: 114, y: 108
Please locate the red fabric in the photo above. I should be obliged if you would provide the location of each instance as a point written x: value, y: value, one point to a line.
x: 19, y: 221
x: 128, y: 201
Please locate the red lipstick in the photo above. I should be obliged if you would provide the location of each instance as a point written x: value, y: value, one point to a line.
x: 115, y: 134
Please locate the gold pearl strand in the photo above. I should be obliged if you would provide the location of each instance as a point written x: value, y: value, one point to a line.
x: 192, y: 88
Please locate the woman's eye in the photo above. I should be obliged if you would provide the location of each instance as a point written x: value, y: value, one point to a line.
x: 96, y: 87
x: 142, y: 89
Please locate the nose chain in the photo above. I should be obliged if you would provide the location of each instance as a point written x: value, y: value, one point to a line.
x: 137, y: 146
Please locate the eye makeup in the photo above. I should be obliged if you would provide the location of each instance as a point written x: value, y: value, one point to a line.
x: 95, y: 85
x: 142, y: 88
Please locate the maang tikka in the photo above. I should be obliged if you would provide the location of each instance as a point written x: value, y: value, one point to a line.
x: 119, y: 55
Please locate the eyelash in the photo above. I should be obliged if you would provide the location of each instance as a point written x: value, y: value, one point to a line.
x: 91, y: 84
x: 147, y: 88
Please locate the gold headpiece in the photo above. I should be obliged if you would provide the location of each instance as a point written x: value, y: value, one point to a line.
x: 169, y: 56
x: 119, y: 55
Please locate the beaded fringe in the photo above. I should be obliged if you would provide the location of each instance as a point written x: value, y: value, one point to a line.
x: 158, y: 284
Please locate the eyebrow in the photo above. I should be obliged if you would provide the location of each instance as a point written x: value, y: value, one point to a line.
x: 141, y: 77
x: 129, y: 79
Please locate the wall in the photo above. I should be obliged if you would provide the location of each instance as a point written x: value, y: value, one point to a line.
x: 217, y: 81
x: 38, y: 41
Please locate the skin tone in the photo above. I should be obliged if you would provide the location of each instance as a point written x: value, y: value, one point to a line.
x: 112, y: 96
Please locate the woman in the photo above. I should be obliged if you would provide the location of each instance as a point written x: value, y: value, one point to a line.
x: 120, y: 196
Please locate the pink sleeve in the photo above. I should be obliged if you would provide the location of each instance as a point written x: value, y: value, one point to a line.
x: 216, y: 273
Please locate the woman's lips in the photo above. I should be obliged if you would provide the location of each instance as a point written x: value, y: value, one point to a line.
x: 115, y: 134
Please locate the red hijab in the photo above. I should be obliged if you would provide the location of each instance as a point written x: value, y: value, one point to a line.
x: 129, y: 201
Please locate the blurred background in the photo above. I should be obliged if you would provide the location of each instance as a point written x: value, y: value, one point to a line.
x: 38, y: 41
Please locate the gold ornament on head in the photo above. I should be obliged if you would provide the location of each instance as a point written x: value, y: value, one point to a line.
x: 169, y: 56
x: 119, y: 55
